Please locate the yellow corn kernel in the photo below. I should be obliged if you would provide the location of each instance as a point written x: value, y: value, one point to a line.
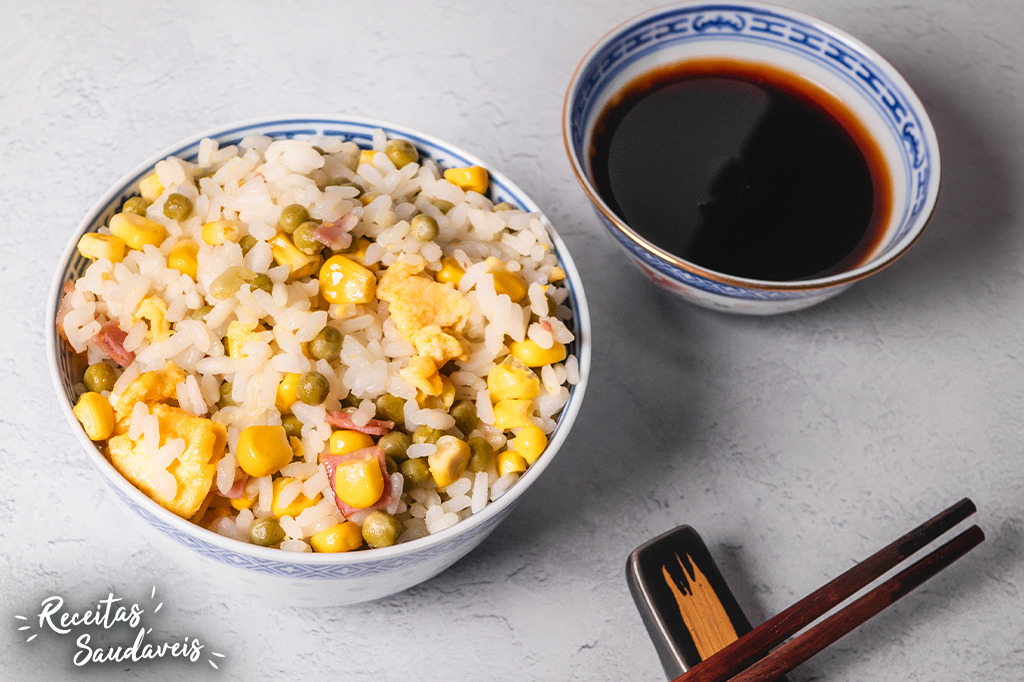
x: 532, y: 355
x: 341, y: 538
x: 448, y: 460
x: 366, y: 156
x: 96, y: 415
x: 244, y: 502
x: 556, y: 274
x: 150, y: 188
x: 530, y: 443
x: 136, y: 230
x: 346, y: 441
x: 220, y: 231
x: 183, y: 258
x: 297, y: 448
x: 285, y: 253
x: 450, y: 271
x: 263, y: 450
x: 471, y: 178
x: 505, y: 281
x: 358, y: 482
x: 342, y: 280
x: 505, y: 382
x: 293, y: 508
x: 94, y: 246
x: 358, y: 252
x: 511, y: 414
x: 287, y: 393
x: 510, y: 462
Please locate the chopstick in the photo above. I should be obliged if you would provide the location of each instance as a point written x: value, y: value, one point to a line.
x: 741, y: 655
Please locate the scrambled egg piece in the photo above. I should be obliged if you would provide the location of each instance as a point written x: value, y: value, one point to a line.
x: 439, y: 346
x: 430, y: 315
x: 205, y: 440
x: 238, y: 335
x: 194, y: 470
x: 150, y: 388
x: 153, y: 310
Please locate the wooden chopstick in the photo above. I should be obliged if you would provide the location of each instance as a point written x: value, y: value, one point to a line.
x: 800, y: 648
x: 740, y: 654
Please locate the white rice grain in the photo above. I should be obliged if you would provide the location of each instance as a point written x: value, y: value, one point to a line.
x: 421, y: 450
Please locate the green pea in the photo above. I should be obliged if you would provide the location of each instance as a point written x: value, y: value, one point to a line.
x: 326, y: 345
x: 464, y: 413
x: 401, y: 152
x: 442, y: 205
x: 504, y: 206
x: 99, y: 377
x: 350, y: 401
x: 247, y: 242
x: 304, y: 240
x: 292, y: 425
x: 381, y: 529
x: 226, y: 400
x: 229, y: 282
x: 292, y: 216
x: 390, y: 464
x: 426, y: 434
x: 201, y: 313
x: 395, y: 444
x: 136, y: 205
x: 262, y: 282
x: 392, y: 408
x: 312, y: 388
x: 424, y: 228
x: 266, y: 532
x: 481, y: 455
x: 416, y: 472
x: 178, y: 207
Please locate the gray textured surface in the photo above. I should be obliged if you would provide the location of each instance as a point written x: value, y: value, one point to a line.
x: 796, y: 445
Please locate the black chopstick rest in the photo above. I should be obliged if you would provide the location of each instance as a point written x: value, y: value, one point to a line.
x: 688, y: 609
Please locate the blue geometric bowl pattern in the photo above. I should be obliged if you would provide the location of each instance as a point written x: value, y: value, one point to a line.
x: 451, y: 543
x: 776, y: 29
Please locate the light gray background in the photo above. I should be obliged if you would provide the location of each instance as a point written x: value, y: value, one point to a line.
x: 796, y: 445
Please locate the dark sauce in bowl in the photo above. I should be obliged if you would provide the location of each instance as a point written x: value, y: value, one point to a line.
x: 743, y: 169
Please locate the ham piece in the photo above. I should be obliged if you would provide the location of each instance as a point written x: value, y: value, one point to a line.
x: 109, y: 342
x: 374, y: 427
x: 337, y: 235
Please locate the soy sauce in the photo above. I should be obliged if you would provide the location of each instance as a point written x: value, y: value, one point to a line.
x: 743, y: 169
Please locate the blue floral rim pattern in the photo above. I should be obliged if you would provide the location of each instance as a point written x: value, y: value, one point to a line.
x: 765, y: 26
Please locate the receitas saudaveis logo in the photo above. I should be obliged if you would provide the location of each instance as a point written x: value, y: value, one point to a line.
x: 93, y: 627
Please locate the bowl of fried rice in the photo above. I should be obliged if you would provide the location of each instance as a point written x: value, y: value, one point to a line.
x: 317, y: 356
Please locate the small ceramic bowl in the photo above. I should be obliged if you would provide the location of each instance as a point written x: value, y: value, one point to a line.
x: 309, y: 579
x: 785, y: 40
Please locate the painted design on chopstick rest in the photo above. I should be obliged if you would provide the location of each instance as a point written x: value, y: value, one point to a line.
x: 705, y: 617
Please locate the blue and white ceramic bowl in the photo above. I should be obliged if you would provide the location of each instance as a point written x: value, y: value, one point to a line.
x: 790, y: 41
x: 306, y: 579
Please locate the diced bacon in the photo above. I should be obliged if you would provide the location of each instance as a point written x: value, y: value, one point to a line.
x: 374, y: 427
x: 109, y: 342
x: 65, y: 306
x: 391, y: 492
x: 337, y: 235
x: 237, y: 489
